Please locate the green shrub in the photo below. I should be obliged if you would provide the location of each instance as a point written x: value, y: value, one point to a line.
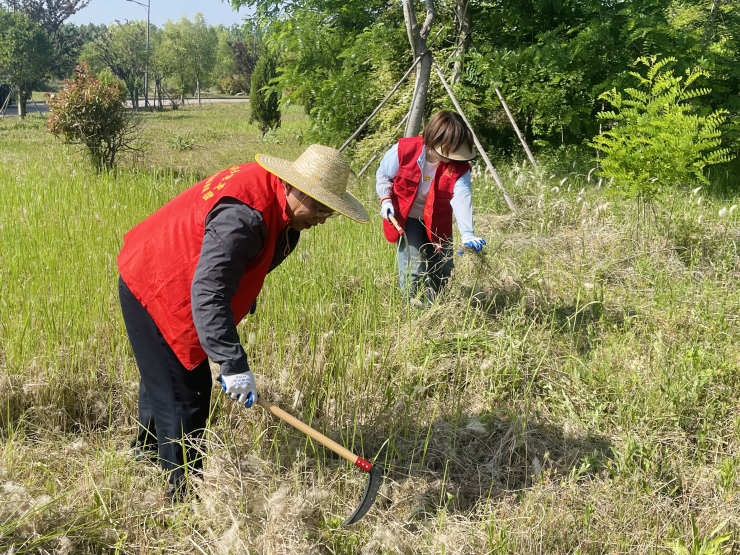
x: 263, y: 97
x: 107, y: 80
x: 659, y: 138
x: 86, y: 112
x: 234, y: 84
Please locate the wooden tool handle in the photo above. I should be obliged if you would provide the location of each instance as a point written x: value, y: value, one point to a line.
x: 309, y: 431
x: 395, y: 224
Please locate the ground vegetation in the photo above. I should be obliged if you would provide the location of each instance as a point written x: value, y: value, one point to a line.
x: 576, y: 390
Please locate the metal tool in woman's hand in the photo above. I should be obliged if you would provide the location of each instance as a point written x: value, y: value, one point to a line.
x: 375, y: 474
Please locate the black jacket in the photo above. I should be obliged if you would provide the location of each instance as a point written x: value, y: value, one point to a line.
x: 234, y: 236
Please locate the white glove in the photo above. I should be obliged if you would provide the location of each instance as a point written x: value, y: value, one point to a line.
x: 240, y: 387
x: 473, y: 242
x: 387, y: 208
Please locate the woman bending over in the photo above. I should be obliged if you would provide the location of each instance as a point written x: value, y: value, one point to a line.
x: 421, y: 182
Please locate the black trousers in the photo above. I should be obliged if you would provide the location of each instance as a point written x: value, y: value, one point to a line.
x: 174, y: 403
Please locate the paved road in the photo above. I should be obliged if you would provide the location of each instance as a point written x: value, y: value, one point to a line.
x: 41, y: 107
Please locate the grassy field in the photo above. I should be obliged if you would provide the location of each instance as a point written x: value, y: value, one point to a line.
x: 576, y: 391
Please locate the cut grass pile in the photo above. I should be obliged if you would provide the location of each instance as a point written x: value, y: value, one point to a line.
x: 576, y: 391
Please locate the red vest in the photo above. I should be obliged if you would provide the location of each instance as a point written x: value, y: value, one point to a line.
x: 160, y: 254
x: 437, y: 209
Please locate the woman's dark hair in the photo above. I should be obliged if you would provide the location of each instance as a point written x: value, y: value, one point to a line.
x: 446, y: 132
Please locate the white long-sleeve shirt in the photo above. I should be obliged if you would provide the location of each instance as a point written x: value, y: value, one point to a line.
x: 462, y: 194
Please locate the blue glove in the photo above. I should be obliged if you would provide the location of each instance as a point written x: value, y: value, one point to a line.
x: 473, y: 242
x: 386, y: 208
x: 240, y: 387
x: 253, y: 308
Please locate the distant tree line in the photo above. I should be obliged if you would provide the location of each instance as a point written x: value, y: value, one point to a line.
x: 185, y: 56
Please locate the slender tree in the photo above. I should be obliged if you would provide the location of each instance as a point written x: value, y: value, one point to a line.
x: 160, y: 64
x: 25, y: 54
x: 201, y: 42
x: 263, y: 100
x: 172, y: 52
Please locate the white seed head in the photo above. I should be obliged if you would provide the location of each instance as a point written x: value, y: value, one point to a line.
x: 698, y: 201
x: 699, y: 220
x: 696, y: 190
x: 732, y: 208
x: 563, y: 180
x: 555, y: 189
x: 723, y: 212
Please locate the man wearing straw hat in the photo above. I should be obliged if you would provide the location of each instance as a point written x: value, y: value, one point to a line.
x: 192, y: 270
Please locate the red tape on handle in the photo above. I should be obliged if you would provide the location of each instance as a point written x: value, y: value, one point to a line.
x: 363, y: 464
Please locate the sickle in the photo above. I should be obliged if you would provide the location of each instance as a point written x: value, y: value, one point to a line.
x: 375, y: 474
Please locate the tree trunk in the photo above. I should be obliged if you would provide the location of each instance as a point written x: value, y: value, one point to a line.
x: 197, y: 85
x: 708, y: 28
x: 464, y: 21
x: 21, y: 103
x: 418, y: 41
x: 418, y: 104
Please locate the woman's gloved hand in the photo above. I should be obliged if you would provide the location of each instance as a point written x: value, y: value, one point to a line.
x: 473, y: 242
x: 240, y: 387
x: 386, y: 208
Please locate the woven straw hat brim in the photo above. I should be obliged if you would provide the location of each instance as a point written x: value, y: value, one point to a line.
x: 462, y: 154
x: 345, y: 203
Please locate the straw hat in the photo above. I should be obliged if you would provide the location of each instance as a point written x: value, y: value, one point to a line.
x: 462, y: 154
x: 322, y: 173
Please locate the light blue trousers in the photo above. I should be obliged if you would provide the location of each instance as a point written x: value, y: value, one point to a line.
x: 423, y: 271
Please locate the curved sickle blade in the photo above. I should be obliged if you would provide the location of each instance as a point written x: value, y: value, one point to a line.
x: 374, y: 480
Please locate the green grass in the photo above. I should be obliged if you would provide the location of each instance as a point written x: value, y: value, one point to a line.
x: 576, y: 390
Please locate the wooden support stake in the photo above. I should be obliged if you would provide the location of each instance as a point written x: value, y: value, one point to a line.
x: 496, y: 178
x: 363, y: 170
x: 6, y: 103
x: 387, y: 97
x: 516, y: 127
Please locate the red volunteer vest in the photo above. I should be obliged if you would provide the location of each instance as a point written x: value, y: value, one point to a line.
x: 160, y: 254
x: 437, y: 209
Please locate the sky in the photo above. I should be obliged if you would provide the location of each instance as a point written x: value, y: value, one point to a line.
x: 105, y: 11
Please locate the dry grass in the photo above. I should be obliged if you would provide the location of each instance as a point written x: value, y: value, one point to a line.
x: 575, y: 392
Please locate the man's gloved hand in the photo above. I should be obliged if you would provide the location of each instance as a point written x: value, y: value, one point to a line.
x: 386, y: 208
x: 473, y: 242
x: 253, y: 308
x: 240, y: 387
